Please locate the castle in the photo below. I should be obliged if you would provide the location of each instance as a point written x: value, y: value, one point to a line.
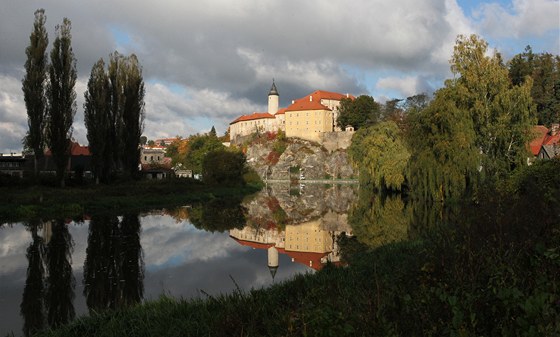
x: 307, y: 118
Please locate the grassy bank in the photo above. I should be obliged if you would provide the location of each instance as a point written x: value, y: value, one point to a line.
x: 18, y: 203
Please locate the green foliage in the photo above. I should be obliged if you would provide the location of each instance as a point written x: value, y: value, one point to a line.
x: 198, y: 147
x: 379, y: 220
x: 360, y: 112
x: 61, y: 98
x: 544, y: 70
x: 444, y: 157
x: 96, y: 116
x: 219, y: 215
x: 381, y: 155
x: 502, y: 114
x: 222, y: 167
x: 33, y: 86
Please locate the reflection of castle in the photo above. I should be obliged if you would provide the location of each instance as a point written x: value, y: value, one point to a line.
x: 306, y: 243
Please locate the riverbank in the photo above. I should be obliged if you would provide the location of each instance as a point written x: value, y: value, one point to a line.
x: 25, y: 202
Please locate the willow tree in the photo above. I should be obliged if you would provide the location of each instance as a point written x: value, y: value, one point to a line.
x: 61, y: 98
x: 381, y: 155
x: 33, y: 86
x: 96, y: 117
x: 444, y: 158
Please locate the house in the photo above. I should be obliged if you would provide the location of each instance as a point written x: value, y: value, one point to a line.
x: 546, y: 143
x: 154, y: 164
x: 12, y: 164
x: 78, y: 163
x: 305, y: 118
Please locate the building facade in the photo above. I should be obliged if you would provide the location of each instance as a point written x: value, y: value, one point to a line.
x: 306, y: 118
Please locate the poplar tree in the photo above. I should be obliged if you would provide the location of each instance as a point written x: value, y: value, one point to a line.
x: 133, y: 113
x: 96, y: 116
x: 61, y: 98
x: 33, y: 86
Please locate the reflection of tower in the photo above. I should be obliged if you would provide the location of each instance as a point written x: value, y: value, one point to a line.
x: 272, y: 261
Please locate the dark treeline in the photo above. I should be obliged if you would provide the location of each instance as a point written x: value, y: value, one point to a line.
x: 114, y: 105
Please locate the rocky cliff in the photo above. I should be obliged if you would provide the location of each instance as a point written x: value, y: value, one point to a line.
x: 300, y: 157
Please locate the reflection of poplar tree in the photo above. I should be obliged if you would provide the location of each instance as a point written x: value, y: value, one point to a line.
x: 32, y: 308
x: 114, y: 267
x: 60, y: 290
x: 99, y: 266
x: 132, y: 262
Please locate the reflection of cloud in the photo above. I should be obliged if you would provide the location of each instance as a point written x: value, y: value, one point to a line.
x: 167, y: 242
x: 13, y: 245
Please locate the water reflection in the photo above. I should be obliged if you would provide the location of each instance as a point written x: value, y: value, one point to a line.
x: 32, y: 308
x: 114, y: 265
x: 59, y: 294
x: 303, y: 226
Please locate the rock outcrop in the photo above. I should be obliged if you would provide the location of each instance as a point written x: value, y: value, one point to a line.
x: 300, y: 158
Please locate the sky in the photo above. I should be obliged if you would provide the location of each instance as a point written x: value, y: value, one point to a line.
x: 207, y: 62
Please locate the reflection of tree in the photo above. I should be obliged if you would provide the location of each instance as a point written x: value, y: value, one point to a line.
x: 378, y: 220
x: 32, y: 308
x: 60, y: 290
x: 114, y: 267
x: 218, y: 215
x: 132, y: 262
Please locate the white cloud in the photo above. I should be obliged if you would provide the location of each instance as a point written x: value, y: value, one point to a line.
x: 525, y: 18
x: 406, y: 86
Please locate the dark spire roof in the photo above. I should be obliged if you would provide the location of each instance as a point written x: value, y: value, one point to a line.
x: 273, y: 90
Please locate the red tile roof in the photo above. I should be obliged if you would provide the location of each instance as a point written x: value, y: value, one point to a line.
x: 75, y: 150
x: 551, y: 140
x: 540, y: 132
x: 305, y: 103
x: 253, y: 116
x: 309, y: 259
x: 281, y: 111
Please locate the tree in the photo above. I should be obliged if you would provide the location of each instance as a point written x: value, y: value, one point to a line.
x: 213, y: 132
x: 544, y: 70
x: 222, y: 167
x: 143, y: 140
x: 33, y: 86
x: 444, y: 157
x: 502, y: 114
x: 133, y: 113
x: 198, y: 147
x: 360, y: 112
x: 96, y: 117
x: 61, y: 98
x: 381, y: 155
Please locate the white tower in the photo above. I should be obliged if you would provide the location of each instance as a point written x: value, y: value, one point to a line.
x: 273, y: 98
x: 272, y: 261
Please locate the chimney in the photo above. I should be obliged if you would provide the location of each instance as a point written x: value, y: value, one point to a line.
x: 310, y: 98
x: 347, y: 95
x: 293, y: 101
x: 554, y: 129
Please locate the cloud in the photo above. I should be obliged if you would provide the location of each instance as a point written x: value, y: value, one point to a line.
x: 407, y: 86
x: 524, y: 18
x: 205, y: 64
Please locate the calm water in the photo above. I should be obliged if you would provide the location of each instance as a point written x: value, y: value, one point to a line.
x: 53, y: 271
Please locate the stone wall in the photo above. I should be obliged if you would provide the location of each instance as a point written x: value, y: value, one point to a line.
x: 333, y: 141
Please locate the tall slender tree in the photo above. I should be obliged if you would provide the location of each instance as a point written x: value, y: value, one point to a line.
x: 133, y: 113
x: 33, y: 86
x: 61, y: 98
x: 96, y: 116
